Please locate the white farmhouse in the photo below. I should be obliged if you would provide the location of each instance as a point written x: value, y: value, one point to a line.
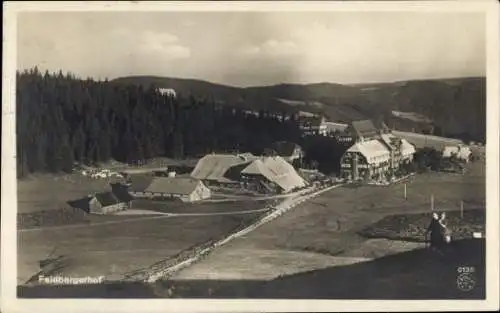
x: 461, y: 152
x: 167, y: 92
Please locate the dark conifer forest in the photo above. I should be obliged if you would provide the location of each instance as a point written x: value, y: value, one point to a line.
x: 63, y: 120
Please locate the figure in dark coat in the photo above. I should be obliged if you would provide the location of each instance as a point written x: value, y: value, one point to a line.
x: 436, y: 234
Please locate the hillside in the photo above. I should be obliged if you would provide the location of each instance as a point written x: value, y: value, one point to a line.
x: 206, y: 90
x: 307, y: 92
x: 62, y: 120
x: 198, y: 88
x: 454, y: 107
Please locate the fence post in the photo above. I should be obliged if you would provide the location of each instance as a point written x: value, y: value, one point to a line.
x: 432, y: 202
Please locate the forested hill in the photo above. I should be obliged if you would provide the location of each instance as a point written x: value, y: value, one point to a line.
x: 457, y: 107
x: 62, y: 119
x: 454, y: 107
x: 184, y: 87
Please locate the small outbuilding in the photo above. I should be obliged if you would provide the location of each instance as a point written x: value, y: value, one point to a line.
x: 462, y: 153
x: 108, y: 202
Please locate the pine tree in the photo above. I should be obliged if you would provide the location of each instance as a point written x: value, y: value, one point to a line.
x: 62, y: 119
x: 52, y: 153
x: 78, y: 143
x: 66, y: 155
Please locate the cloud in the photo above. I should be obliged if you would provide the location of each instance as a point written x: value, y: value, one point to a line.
x: 253, y: 48
x: 271, y: 48
x: 159, y: 38
x: 153, y: 44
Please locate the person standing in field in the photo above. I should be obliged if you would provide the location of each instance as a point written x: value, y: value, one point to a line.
x: 435, y: 232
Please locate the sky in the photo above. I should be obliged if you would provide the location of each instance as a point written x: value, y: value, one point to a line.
x: 256, y: 48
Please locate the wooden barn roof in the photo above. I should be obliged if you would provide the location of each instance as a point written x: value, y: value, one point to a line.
x: 173, y: 185
x: 107, y: 198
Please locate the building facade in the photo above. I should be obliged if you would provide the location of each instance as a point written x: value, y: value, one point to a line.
x: 459, y: 152
x: 167, y: 91
x: 369, y: 160
x: 106, y: 203
x: 376, y: 154
x: 185, y: 189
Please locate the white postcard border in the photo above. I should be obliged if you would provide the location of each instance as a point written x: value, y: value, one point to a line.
x: 9, y: 198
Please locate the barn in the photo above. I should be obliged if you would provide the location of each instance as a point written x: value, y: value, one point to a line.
x: 108, y: 202
x: 186, y: 189
x: 222, y: 169
x: 269, y: 174
x: 273, y: 174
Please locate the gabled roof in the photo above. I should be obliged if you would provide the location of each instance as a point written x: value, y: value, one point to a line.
x: 276, y: 170
x: 140, y: 182
x: 407, y: 148
x: 121, y: 192
x: 278, y: 165
x: 107, y: 198
x: 285, y: 175
x: 216, y: 166
x: 173, y: 185
x: 363, y: 128
x: 257, y: 167
x: 371, y: 149
x: 391, y: 141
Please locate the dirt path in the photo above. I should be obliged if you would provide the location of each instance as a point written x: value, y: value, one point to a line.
x: 147, y: 215
x: 148, y: 212
x: 287, y: 204
x: 131, y: 220
x: 232, y: 198
x: 324, y: 232
x: 136, y: 220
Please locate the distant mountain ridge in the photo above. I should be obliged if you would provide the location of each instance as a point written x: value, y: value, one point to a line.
x: 456, y: 106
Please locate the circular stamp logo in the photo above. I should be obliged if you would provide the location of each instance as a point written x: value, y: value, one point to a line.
x: 466, y: 282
